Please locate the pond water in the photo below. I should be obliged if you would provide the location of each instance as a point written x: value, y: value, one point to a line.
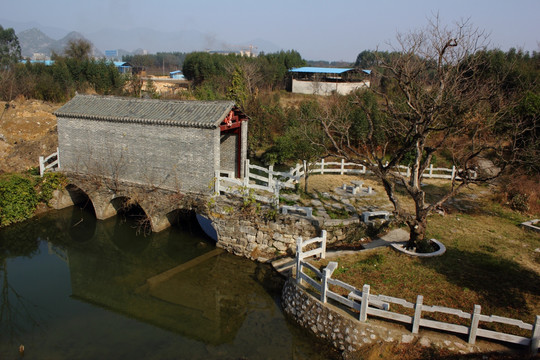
x: 77, y: 288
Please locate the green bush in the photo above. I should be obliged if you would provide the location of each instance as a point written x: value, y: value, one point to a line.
x: 49, y: 182
x: 18, y: 199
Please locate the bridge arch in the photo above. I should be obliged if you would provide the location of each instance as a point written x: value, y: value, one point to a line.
x: 127, y: 206
x: 78, y: 196
x: 157, y: 208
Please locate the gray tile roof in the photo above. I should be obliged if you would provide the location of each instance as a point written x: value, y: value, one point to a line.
x: 189, y: 113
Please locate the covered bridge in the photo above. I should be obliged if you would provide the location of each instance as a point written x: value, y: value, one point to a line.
x: 169, y: 144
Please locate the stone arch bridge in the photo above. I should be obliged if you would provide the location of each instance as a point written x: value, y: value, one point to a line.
x: 108, y: 198
x: 258, y: 234
x: 163, y: 156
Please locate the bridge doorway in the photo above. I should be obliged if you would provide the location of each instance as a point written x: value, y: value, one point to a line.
x: 233, y: 143
x: 206, y: 226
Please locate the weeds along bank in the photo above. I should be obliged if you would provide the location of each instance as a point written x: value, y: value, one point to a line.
x: 21, y: 195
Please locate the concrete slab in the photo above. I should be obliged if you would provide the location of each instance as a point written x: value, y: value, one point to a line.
x: 396, y: 235
x: 393, y: 236
x: 284, y: 265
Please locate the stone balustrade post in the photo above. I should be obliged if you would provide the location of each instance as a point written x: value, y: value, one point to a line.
x: 365, y: 303
x: 474, y: 324
x: 417, y: 314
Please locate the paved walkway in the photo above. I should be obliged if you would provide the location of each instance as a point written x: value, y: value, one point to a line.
x: 396, y: 235
x: 285, y: 265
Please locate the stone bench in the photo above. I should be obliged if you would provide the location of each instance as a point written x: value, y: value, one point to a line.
x: 357, y: 186
x: 368, y: 215
x: 308, y: 210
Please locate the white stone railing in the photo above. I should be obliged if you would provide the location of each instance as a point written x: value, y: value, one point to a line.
x: 255, y: 178
x: 343, y: 168
x: 50, y: 162
x: 379, y: 305
x: 242, y: 188
x: 268, y: 177
x: 271, y: 181
x: 319, y: 251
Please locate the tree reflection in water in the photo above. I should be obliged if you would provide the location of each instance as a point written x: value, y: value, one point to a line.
x: 17, y: 313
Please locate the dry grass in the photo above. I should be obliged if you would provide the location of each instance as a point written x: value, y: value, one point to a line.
x: 435, y: 188
x: 328, y: 183
x: 490, y: 260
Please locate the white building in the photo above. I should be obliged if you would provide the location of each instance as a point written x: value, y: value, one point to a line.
x: 325, y: 81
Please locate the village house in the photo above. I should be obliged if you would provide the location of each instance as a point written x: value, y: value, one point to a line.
x: 325, y: 81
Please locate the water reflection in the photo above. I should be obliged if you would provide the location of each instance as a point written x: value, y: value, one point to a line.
x: 99, y: 291
x: 16, y: 312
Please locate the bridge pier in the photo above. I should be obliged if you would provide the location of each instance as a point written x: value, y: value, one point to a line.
x: 159, y: 222
x: 104, y: 209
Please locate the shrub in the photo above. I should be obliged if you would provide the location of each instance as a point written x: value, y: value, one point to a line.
x: 49, y: 182
x: 18, y: 199
x: 521, y: 192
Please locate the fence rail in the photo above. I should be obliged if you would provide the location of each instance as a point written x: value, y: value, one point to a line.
x: 256, y: 178
x: 343, y: 168
x: 50, y: 162
x: 368, y: 304
x: 271, y: 181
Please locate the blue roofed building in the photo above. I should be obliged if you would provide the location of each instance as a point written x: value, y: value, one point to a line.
x: 123, y: 67
x: 44, y: 62
x: 326, y: 81
x: 178, y: 75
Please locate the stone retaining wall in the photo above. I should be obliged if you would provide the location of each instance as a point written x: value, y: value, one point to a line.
x: 260, y: 234
x: 346, y: 333
x: 257, y: 234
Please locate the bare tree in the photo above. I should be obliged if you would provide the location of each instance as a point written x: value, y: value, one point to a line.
x: 248, y: 75
x: 429, y: 97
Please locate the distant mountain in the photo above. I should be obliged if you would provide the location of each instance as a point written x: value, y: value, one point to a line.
x: 61, y: 44
x: 182, y: 41
x: 35, y: 41
x: 35, y: 38
x: 53, y: 32
x: 151, y: 40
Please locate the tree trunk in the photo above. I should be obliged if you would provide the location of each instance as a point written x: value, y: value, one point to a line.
x: 417, y: 230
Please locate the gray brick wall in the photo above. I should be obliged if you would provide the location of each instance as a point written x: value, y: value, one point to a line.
x: 228, y: 152
x: 173, y: 157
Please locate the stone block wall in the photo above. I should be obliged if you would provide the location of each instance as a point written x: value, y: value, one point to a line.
x: 344, y: 332
x: 256, y: 237
x: 340, y: 329
x: 171, y: 157
x: 228, y: 153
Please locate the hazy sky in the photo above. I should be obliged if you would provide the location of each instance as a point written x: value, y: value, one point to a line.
x: 330, y: 30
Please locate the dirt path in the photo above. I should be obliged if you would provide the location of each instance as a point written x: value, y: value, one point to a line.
x: 27, y: 130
